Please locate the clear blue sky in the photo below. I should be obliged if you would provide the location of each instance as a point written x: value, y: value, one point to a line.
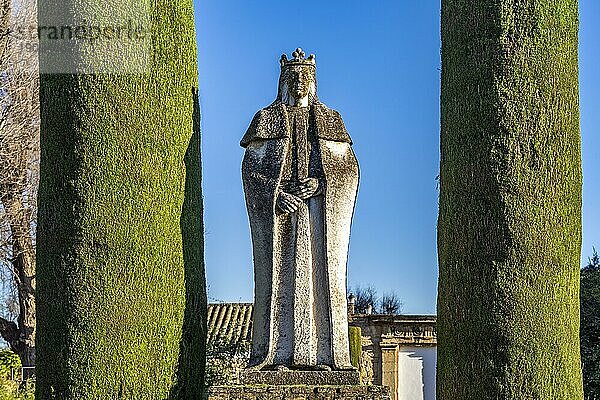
x: 379, y: 65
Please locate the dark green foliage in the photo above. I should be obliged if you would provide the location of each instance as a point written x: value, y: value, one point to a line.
x: 191, y: 363
x: 9, y: 361
x: 355, y: 334
x: 509, y: 229
x: 120, y: 274
x: 11, y: 385
x: 590, y: 328
x: 593, y: 261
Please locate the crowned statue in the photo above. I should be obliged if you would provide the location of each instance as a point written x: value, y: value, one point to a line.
x: 300, y: 179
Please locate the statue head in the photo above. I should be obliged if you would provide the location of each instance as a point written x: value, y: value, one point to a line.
x: 297, y: 82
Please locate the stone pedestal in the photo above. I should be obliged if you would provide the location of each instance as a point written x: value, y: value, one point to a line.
x: 306, y: 392
x: 299, y: 385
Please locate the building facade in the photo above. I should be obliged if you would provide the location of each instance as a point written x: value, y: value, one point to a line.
x: 399, y: 351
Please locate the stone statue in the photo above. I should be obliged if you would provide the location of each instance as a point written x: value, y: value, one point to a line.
x: 300, y: 178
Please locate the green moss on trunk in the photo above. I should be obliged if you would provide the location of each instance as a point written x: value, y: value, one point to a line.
x: 509, y: 229
x: 121, y: 290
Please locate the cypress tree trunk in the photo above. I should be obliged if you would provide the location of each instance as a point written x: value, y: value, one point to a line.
x: 120, y: 270
x: 509, y: 229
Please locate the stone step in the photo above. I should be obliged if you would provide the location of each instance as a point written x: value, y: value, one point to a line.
x: 300, y: 392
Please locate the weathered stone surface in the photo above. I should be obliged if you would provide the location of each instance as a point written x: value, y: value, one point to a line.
x: 300, y: 178
x: 300, y: 378
x: 298, y: 393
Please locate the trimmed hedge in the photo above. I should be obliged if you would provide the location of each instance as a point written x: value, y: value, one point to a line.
x: 509, y: 229
x: 355, y: 335
x: 120, y: 273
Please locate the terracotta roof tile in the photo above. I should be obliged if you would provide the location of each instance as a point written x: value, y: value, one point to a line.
x: 229, y: 322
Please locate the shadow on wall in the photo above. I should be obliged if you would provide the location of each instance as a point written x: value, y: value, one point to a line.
x: 416, y: 369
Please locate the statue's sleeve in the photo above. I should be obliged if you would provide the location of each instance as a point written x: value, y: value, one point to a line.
x: 265, y: 151
x: 261, y: 171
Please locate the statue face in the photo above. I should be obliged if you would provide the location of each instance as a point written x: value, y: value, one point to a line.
x: 298, y: 81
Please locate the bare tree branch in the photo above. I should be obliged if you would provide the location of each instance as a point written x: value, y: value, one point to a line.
x: 19, y: 167
x: 366, y: 297
x: 391, y: 304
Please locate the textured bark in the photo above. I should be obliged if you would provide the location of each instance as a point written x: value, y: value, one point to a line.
x: 19, y: 156
x: 21, y: 341
x: 5, y: 11
x: 122, y: 301
x: 509, y: 229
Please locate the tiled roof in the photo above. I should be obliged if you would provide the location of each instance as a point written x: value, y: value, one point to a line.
x: 230, y: 322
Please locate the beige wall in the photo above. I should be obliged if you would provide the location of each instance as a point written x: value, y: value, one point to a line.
x: 416, y: 373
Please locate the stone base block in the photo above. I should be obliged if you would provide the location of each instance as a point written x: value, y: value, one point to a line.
x: 308, y: 392
x: 291, y: 377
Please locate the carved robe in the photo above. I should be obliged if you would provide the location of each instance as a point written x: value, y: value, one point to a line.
x: 300, y: 310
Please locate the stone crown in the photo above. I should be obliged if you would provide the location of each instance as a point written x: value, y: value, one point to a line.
x: 298, y: 59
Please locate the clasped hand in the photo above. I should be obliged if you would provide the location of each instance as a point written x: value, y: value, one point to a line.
x: 292, y: 195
